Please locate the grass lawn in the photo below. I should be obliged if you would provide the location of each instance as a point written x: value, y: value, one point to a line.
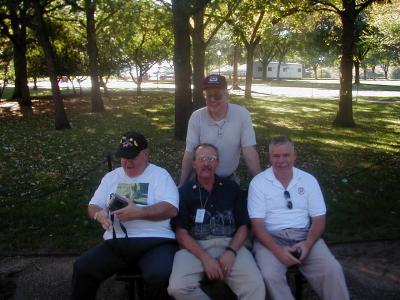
x: 48, y: 176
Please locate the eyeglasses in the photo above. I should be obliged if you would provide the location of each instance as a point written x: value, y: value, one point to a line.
x: 216, y: 97
x: 209, y: 159
x: 289, y: 204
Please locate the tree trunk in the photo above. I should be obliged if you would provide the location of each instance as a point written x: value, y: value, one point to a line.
x: 21, y: 91
x: 61, y: 120
x: 5, y: 80
x: 97, y: 101
x: 364, y: 72
x: 35, y: 87
x: 235, y: 82
x: 344, y: 116
x: 356, y: 72
x: 264, y: 70
x: 18, y: 38
x: 73, y: 86
x: 373, y: 72
x: 139, y: 85
x: 278, y: 69
x: 249, y: 68
x: 199, y: 48
x: 315, y: 69
x: 385, y: 69
x: 103, y: 84
x: 183, y: 92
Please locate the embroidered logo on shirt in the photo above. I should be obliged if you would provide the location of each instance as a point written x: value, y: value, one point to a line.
x: 300, y: 190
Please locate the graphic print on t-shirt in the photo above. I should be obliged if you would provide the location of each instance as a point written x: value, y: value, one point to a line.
x: 214, y: 224
x: 137, y: 192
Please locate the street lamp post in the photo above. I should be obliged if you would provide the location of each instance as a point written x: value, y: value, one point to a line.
x: 219, y: 61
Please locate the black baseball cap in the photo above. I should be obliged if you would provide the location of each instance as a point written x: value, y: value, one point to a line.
x: 131, y: 144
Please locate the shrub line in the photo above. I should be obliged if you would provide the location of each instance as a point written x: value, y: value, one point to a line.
x: 108, y: 160
x: 61, y: 186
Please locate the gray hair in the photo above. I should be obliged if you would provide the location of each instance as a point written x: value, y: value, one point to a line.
x: 206, y: 145
x: 280, y: 140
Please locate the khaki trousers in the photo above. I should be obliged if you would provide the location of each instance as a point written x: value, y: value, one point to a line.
x: 321, y: 269
x: 244, y: 279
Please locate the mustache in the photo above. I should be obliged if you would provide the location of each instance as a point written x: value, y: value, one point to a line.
x: 206, y: 168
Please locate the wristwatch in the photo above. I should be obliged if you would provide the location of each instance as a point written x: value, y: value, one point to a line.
x: 231, y: 249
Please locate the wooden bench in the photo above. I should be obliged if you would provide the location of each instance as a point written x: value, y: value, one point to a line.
x: 134, y: 283
x: 215, y: 289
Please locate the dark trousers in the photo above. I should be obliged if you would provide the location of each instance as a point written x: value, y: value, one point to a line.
x: 153, y: 256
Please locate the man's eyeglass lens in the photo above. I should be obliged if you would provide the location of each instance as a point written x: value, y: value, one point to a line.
x: 207, y: 158
x: 286, y: 194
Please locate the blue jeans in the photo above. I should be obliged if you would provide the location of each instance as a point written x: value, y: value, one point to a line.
x: 153, y: 256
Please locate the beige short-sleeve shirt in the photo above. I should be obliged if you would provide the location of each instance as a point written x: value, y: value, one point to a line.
x: 229, y: 136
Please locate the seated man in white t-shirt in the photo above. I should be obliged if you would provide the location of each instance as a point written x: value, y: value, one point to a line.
x: 287, y: 212
x: 138, y: 235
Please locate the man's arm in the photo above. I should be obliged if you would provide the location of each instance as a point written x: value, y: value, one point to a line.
x: 100, y: 215
x: 186, y: 168
x: 252, y: 160
x: 227, y: 259
x: 156, y: 212
x: 282, y: 253
x: 210, y: 264
x: 315, y: 232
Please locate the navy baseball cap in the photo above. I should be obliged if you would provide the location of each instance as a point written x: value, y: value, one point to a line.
x: 215, y: 80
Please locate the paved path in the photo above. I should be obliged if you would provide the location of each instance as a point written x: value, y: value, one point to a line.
x: 372, y: 272
x: 263, y: 89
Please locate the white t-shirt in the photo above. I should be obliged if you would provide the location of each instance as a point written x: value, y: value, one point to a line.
x: 154, y: 185
x: 229, y: 136
x: 266, y: 200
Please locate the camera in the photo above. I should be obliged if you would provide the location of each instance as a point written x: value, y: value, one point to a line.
x: 297, y: 253
x: 116, y: 202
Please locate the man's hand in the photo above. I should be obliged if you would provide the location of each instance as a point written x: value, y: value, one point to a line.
x: 285, y: 256
x: 102, y: 218
x: 305, y: 249
x: 130, y: 212
x: 226, y: 261
x: 212, y: 268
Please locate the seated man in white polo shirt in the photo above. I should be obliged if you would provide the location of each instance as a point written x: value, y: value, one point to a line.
x: 287, y: 212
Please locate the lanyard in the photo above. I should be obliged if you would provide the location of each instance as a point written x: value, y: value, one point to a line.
x: 201, y: 201
x: 120, y: 225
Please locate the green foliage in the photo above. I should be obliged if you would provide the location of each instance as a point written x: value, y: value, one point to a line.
x: 318, y: 40
x: 142, y: 32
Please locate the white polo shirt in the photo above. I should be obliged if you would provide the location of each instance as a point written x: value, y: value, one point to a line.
x: 229, y: 136
x: 266, y: 200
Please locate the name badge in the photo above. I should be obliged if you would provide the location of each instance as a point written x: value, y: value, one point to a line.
x: 200, y: 215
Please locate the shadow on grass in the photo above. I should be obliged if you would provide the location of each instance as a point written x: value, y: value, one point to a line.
x: 38, y: 159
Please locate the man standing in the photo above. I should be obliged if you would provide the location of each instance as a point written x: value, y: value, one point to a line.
x: 287, y: 212
x: 225, y: 125
x: 138, y: 235
x: 211, y: 228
